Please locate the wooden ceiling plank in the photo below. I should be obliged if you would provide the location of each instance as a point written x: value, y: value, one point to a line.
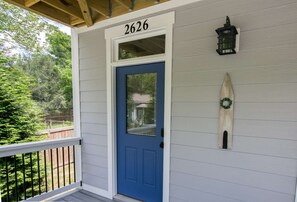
x: 45, y: 12
x: 51, y: 13
x: 126, y: 3
x: 76, y: 21
x: 86, y: 12
x: 71, y: 10
x: 29, y: 3
x: 101, y: 6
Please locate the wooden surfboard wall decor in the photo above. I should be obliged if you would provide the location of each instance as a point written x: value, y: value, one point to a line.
x: 226, y: 114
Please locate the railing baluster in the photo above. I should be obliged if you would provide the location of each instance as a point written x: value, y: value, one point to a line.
x: 7, y: 179
x: 32, y: 185
x: 58, y: 167
x: 52, y: 169
x: 24, y: 170
x: 74, y: 174
x: 38, y: 167
x: 63, y: 154
x: 24, y: 175
x: 69, y: 165
x: 16, y: 178
x: 45, y: 170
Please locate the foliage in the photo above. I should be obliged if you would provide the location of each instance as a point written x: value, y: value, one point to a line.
x: 41, y: 72
x: 47, y: 89
x: 60, y: 49
x: 52, y: 73
x: 19, y: 114
x: 19, y: 121
x: 19, y: 28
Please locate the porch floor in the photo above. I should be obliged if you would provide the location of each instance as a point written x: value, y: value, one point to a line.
x: 83, y: 196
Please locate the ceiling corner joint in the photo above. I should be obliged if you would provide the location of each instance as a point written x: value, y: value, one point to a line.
x: 110, y: 8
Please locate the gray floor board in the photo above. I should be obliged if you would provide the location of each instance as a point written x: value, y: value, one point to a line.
x: 83, y: 196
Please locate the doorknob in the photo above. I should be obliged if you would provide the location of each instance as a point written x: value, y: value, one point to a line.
x: 162, y: 145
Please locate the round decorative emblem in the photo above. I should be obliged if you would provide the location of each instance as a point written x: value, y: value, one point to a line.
x: 226, y: 103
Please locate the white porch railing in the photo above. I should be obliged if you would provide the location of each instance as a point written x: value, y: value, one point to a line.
x: 38, y: 170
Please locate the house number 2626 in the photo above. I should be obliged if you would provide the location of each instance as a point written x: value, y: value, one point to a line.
x: 136, y: 27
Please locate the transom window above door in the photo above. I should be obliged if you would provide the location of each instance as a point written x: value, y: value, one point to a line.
x: 142, y: 47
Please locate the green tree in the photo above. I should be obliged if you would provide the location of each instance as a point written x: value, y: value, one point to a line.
x: 19, y: 122
x: 19, y: 28
x: 47, y: 77
x: 60, y: 49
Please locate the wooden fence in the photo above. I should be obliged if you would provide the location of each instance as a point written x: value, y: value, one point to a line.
x: 59, y: 155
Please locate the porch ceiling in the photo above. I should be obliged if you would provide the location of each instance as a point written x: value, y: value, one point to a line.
x: 76, y: 13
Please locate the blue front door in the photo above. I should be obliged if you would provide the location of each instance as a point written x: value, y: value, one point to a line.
x: 140, y: 120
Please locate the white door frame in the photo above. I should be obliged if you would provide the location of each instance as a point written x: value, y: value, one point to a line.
x: 161, y: 24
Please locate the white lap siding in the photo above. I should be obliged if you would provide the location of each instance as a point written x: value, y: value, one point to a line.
x: 262, y: 166
x: 93, y: 108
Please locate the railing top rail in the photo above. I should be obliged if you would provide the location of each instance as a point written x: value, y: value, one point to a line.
x: 22, y: 148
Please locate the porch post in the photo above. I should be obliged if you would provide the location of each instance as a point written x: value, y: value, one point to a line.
x: 76, y: 101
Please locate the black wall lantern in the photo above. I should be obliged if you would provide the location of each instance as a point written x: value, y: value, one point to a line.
x: 227, y: 38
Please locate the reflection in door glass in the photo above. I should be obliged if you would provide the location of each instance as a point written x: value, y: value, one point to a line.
x: 142, y: 47
x: 141, y: 104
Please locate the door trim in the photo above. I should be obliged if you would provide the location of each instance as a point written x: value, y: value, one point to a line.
x: 158, y: 24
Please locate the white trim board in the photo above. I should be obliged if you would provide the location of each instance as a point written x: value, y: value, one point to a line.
x: 136, y: 14
x: 76, y: 101
x: 158, y: 24
x: 95, y: 190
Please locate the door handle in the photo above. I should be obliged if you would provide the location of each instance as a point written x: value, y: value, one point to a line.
x: 162, y: 145
x: 162, y: 132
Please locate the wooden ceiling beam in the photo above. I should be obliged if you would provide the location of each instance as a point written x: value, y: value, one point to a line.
x: 76, y: 21
x: 101, y: 6
x: 50, y: 12
x: 29, y: 3
x: 86, y: 12
x: 126, y: 3
x: 71, y: 10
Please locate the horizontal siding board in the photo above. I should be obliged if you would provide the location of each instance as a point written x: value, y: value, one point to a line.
x: 97, y: 129
x: 92, y: 62
x: 99, y: 107
x: 99, y: 118
x: 240, y: 192
x: 195, y: 195
x: 94, y: 149
x: 244, y: 58
x: 256, y: 111
x: 268, y: 129
x: 95, y: 37
x: 281, y: 184
x: 249, y: 40
x: 218, y: 9
x: 203, y: 125
x: 173, y: 199
x: 93, y: 85
x: 252, y: 128
x: 283, y: 73
x: 273, y: 147
x: 90, y: 51
x: 243, y: 93
x: 94, y: 73
x: 259, y: 163
x: 93, y: 96
x: 270, y: 147
x: 95, y: 160
x: 100, y: 140
x: 95, y: 170
x: 95, y: 181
